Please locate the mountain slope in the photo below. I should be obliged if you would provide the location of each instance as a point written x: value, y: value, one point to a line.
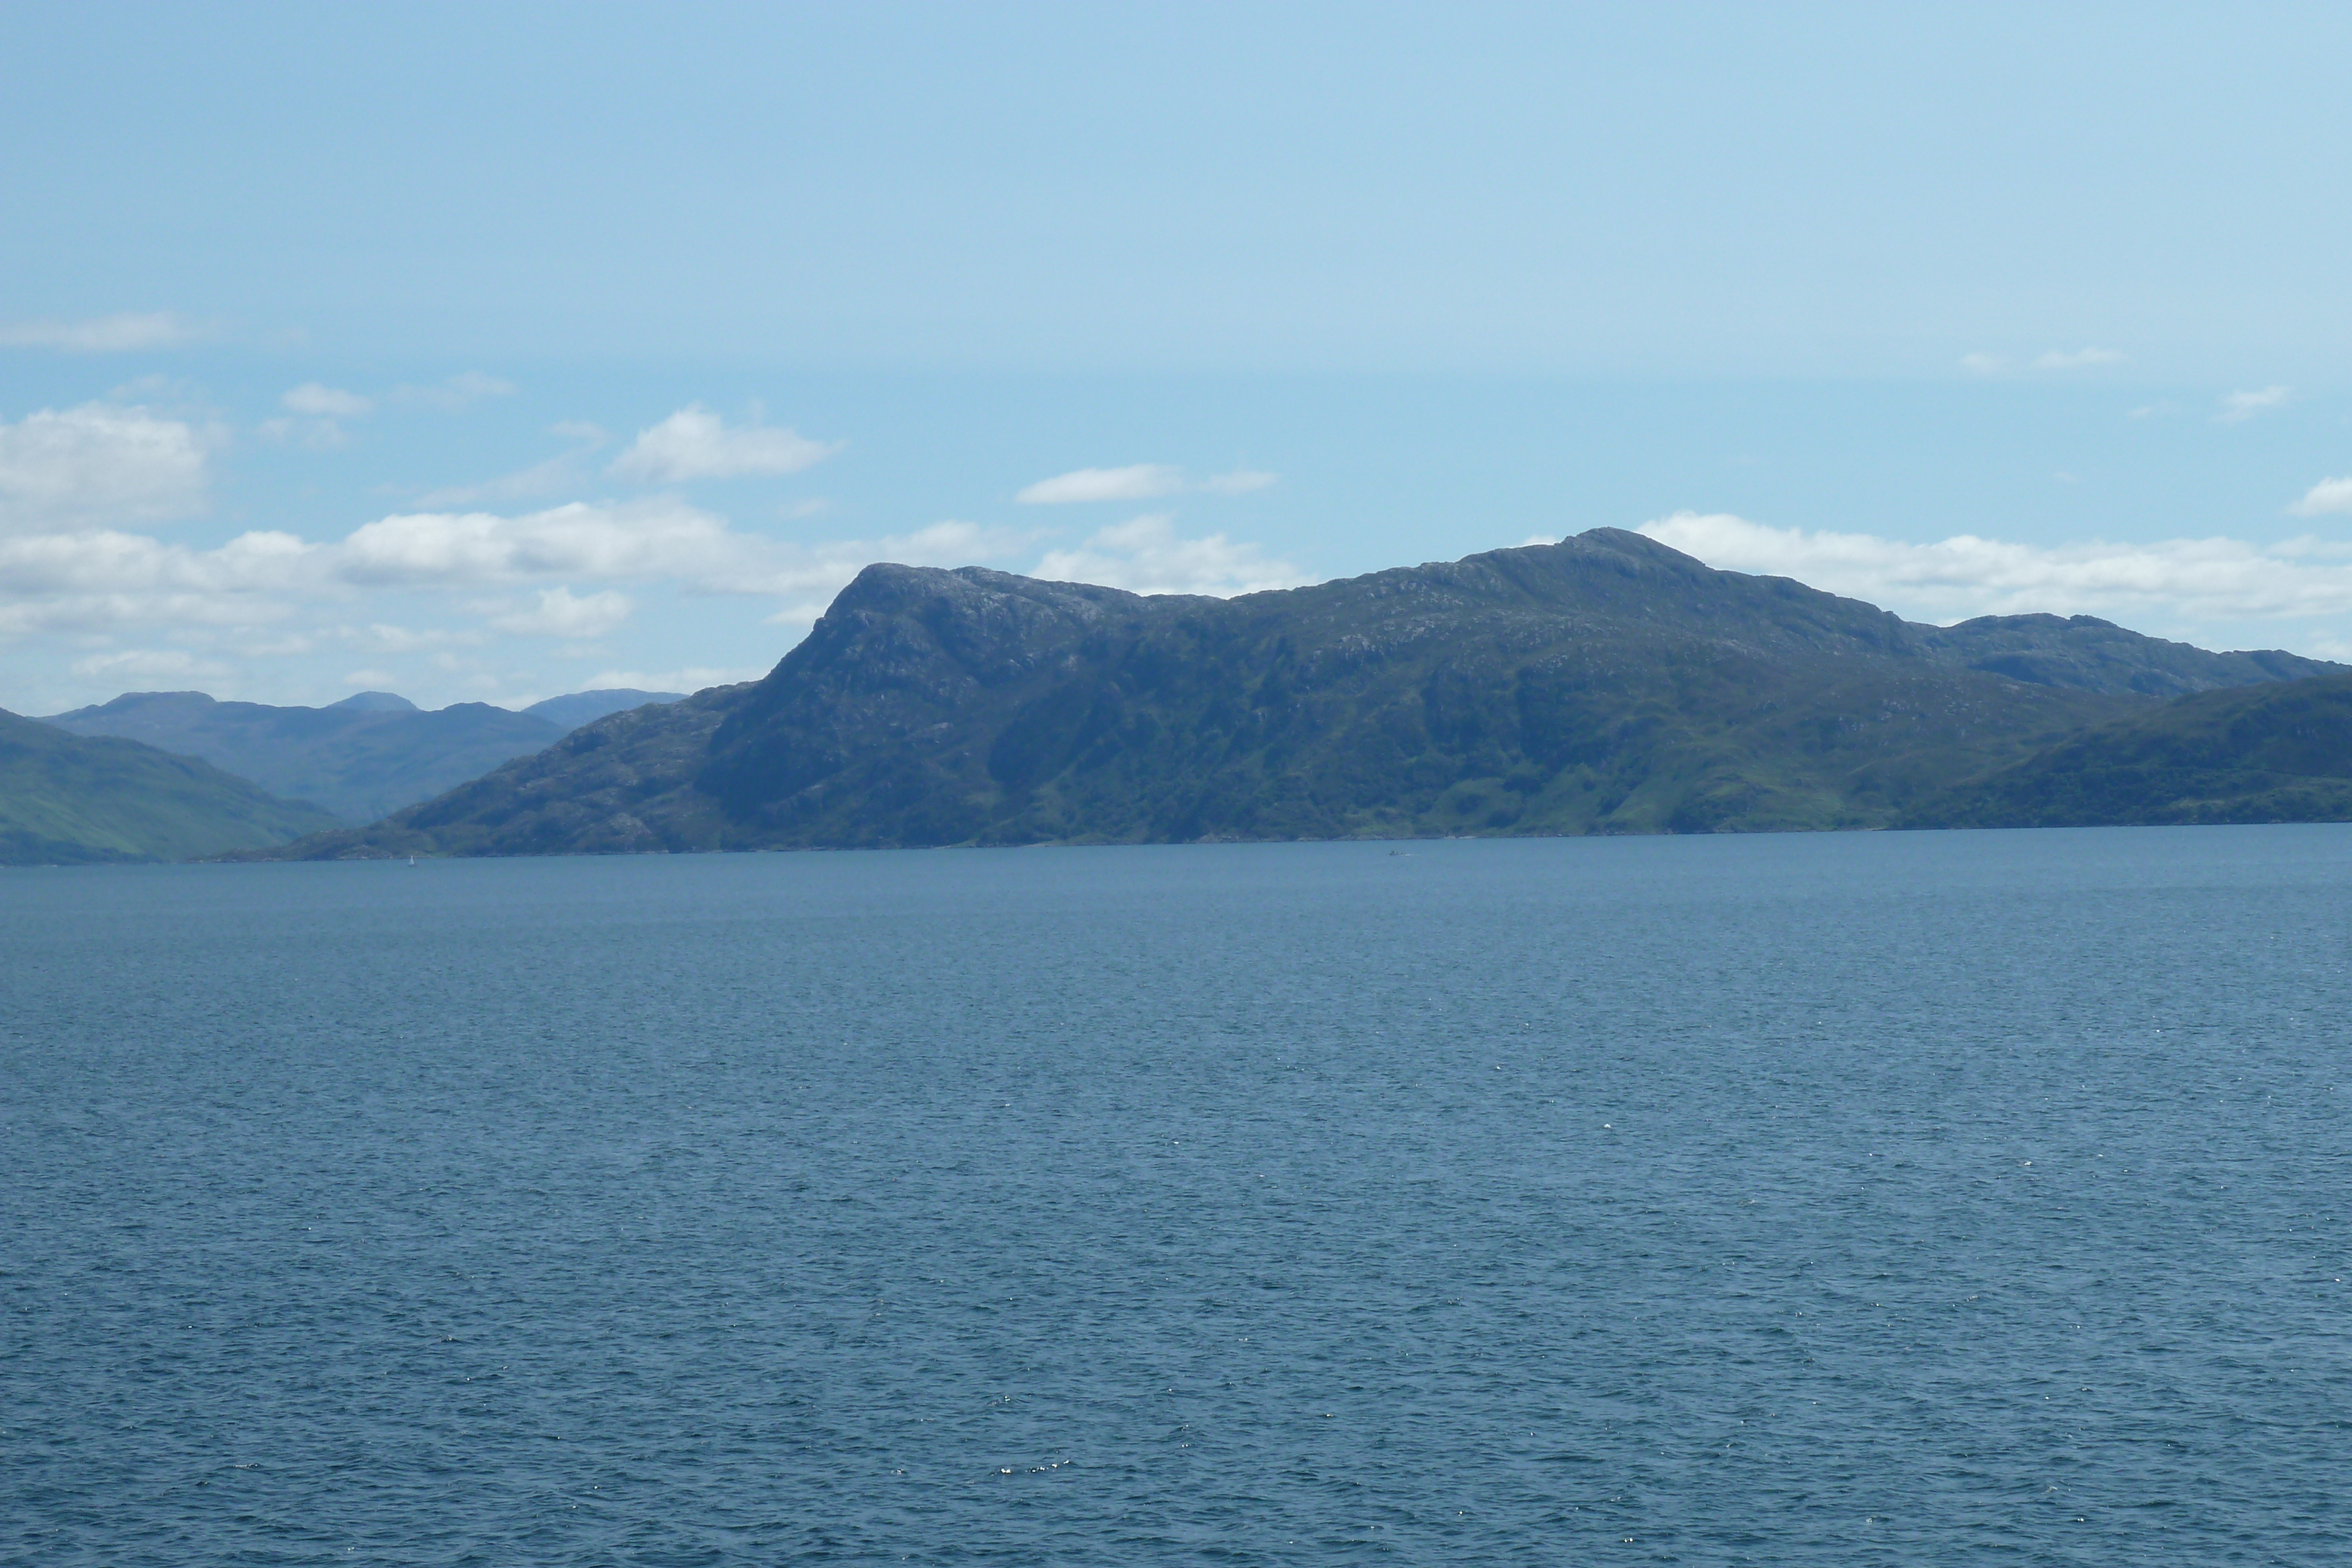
x: 65, y: 798
x: 2271, y: 753
x: 360, y: 759
x: 571, y: 711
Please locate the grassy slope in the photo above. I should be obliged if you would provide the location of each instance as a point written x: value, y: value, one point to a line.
x: 66, y: 799
x: 2280, y: 752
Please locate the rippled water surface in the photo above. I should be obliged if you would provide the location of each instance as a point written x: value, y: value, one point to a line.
x: 1799, y: 1199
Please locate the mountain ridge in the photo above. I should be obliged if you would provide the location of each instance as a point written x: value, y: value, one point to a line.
x: 1605, y: 683
x: 359, y: 759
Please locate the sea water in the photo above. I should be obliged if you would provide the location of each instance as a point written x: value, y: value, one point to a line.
x: 1802, y: 1200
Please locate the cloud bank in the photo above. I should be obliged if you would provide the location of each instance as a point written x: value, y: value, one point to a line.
x: 1147, y: 555
x: 2240, y: 406
x: 2211, y: 579
x: 101, y: 334
x: 99, y: 463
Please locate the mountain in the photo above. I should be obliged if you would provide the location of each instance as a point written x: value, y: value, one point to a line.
x: 2271, y: 753
x: 68, y: 799
x: 359, y: 758
x: 1606, y: 684
x: 2096, y: 655
x: 569, y: 713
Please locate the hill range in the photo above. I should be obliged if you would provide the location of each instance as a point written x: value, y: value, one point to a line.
x: 359, y: 759
x: 1606, y: 684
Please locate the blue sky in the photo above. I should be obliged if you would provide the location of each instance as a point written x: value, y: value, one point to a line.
x: 491, y: 353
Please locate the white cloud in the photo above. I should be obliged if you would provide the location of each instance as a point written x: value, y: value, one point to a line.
x: 560, y: 614
x: 2079, y: 358
x: 2327, y: 495
x: 2240, y: 406
x: 1139, y: 482
x: 1981, y: 364
x: 93, y: 583
x: 1146, y: 556
x: 2194, y: 579
x: 638, y: 539
x: 694, y: 443
x: 325, y: 402
x: 98, y: 464
x: 101, y: 334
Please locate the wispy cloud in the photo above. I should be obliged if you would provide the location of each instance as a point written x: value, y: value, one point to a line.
x: 696, y: 444
x: 2327, y: 496
x: 565, y: 471
x: 147, y: 664
x: 102, y: 334
x: 1137, y: 482
x: 325, y: 402
x: 458, y: 392
x: 1146, y: 555
x: 2240, y: 407
x: 1983, y: 364
x: 2210, y: 579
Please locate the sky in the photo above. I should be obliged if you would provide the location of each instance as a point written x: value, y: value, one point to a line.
x: 484, y: 354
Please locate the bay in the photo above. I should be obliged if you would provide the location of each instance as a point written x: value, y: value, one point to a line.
x: 1801, y: 1199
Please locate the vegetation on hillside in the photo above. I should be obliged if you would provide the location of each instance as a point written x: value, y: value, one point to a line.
x: 66, y: 799
x: 2279, y: 752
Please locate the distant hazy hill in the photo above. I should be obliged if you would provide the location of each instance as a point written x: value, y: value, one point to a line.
x: 1603, y: 684
x: 359, y: 758
x: 2274, y: 753
x: 586, y: 707
x: 65, y: 798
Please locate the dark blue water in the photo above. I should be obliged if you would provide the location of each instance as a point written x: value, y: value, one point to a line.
x: 1799, y: 1199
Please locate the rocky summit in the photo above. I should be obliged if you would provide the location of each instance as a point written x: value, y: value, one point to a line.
x: 1605, y: 683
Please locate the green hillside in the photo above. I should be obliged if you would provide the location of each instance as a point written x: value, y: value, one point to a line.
x: 66, y: 799
x: 2280, y: 752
